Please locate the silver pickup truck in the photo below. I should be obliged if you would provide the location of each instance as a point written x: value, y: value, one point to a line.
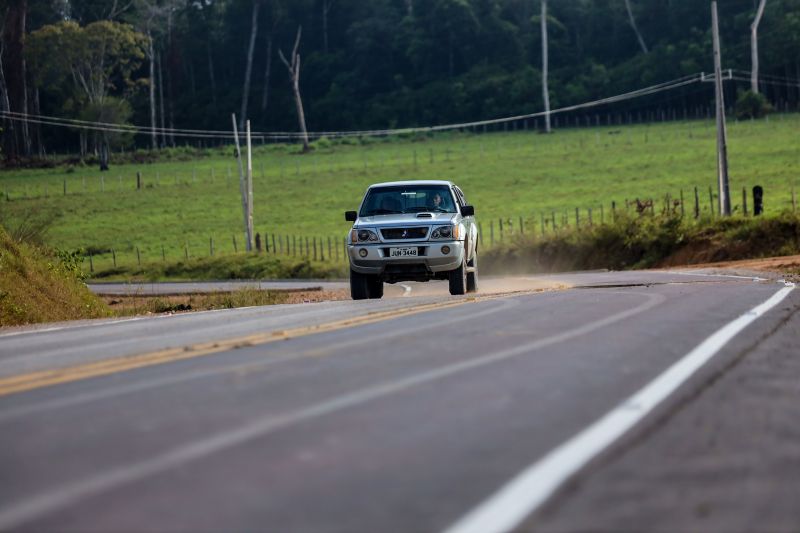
x: 412, y: 231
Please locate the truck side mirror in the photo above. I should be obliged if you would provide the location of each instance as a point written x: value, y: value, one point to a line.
x: 468, y: 210
x: 350, y: 216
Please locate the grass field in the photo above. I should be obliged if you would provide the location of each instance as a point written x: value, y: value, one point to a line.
x: 505, y: 175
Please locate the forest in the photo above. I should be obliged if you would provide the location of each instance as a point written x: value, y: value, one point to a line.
x: 361, y: 64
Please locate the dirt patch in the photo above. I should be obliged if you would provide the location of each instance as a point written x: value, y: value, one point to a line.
x: 788, y: 266
x: 129, y: 305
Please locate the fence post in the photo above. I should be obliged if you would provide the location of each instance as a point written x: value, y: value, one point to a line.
x: 602, y: 215
x: 590, y: 217
x: 758, y: 200
x: 274, y: 250
x: 491, y: 233
x: 521, y: 226
x: 186, y: 250
x: 91, y: 263
x: 235, y: 249
x: 541, y: 220
x: 138, y: 181
x: 258, y: 242
x: 211, y: 246
x: 553, y: 214
x: 330, y: 249
x: 744, y: 200
x: 613, y: 210
x: 683, y: 211
x: 163, y: 255
x: 308, y: 254
x: 138, y: 257
x: 315, y: 248
x: 577, y: 218
x: 500, y: 226
x: 696, y: 203
x: 711, y: 199
x: 794, y: 201
x: 114, y: 257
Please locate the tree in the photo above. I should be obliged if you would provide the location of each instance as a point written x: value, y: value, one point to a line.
x: 294, y: 74
x: 92, y: 61
x: 14, y: 78
x: 754, y: 46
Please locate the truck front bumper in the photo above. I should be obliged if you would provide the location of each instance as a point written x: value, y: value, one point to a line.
x: 432, y: 257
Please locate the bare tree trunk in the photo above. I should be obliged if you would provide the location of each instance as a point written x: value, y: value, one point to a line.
x: 211, y: 74
x: 161, y: 101
x: 267, y: 75
x: 326, y: 9
x: 152, y: 57
x: 635, y: 28
x: 169, y: 79
x: 545, y: 90
x: 249, y: 68
x: 294, y: 74
x: 754, y: 46
x: 15, y: 75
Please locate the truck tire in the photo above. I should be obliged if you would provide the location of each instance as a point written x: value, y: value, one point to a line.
x: 375, y: 287
x: 359, y: 285
x: 472, y: 277
x: 458, y: 280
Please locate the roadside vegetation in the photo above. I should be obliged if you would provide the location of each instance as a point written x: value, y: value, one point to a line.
x: 231, y: 266
x: 38, y: 285
x: 647, y: 242
x: 191, y: 207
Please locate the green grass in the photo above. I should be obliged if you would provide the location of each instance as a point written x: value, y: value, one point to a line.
x: 508, y: 175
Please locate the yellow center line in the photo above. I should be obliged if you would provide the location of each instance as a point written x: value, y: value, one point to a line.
x: 46, y: 378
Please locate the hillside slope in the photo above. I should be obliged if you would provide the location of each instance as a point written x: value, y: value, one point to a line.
x: 41, y: 286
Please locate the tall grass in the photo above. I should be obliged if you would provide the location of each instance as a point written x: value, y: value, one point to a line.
x: 645, y: 242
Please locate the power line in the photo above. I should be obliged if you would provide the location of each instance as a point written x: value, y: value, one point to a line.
x: 283, y: 135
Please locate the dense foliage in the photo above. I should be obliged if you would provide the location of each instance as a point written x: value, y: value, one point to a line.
x: 386, y: 63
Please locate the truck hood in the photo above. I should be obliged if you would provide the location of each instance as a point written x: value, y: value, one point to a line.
x: 410, y: 219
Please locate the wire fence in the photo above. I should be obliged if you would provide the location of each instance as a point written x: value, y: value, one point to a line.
x: 693, y: 204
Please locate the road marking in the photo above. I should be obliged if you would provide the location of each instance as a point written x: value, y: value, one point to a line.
x: 44, y: 378
x: 152, y: 383
x: 32, y: 507
x: 530, y: 489
x: 709, y: 275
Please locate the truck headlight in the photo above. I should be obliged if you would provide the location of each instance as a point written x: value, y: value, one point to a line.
x: 445, y: 232
x: 365, y: 235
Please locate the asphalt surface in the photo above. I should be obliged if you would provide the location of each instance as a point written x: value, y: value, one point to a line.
x: 413, y: 414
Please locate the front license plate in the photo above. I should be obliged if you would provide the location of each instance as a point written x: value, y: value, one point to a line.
x: 403, y: 252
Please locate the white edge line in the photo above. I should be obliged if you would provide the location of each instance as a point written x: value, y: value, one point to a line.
x: 710, y: 275
x: 532, y: 487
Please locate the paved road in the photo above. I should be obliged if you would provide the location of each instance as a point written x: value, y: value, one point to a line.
x: 406, y: 414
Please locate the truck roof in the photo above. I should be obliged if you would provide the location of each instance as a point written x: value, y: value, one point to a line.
x: 411, y: 183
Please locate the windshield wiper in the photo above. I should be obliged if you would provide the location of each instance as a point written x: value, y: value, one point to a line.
x: 382, y: 212
x: 426, y: 210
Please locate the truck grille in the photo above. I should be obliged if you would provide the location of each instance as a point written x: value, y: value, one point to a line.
x: 404, y: 233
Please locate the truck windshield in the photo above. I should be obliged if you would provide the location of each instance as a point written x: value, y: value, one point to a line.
x: 396, y: 200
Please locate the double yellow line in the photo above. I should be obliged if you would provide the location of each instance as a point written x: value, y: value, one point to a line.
x: 46, y: 378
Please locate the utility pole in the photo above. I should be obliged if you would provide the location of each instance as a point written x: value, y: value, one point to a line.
x: 545, y: 90
x: 249, y: 186
x: 722, y: 136
x: 242, y: 186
